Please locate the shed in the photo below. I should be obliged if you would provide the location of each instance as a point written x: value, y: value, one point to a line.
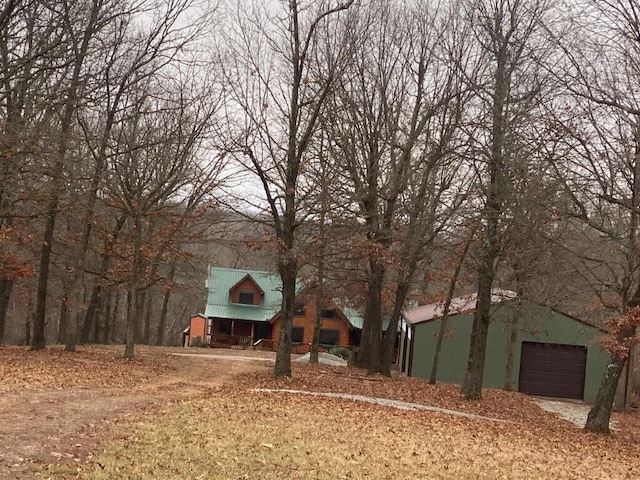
x: 530, y: 347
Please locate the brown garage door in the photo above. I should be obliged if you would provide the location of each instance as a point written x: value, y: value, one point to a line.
x: 552, y: 370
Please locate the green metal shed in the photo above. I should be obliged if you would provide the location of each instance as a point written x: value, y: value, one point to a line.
x: 530, y: 348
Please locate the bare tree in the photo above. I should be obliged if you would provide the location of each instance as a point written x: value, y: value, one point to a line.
x: 393, y: 125
x: 32, y: 46
x: 127, y: 59
x: 278, y: 83
x: 509, y: 36
x: 81, y: 25
x: 601, y: 166
x: 158, y: 170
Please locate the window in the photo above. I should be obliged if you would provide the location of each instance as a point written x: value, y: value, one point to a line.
x: 298, y: 310
x: 224, y: 326
x: 245, y: 298
x: 328, y: 313
x: 297, y: 334
x: 329, y: 336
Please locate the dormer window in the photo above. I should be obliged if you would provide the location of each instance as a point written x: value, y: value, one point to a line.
x: 298, y: 310
x: 246, y: 292
x: 245, y: 298
x: 328, y: 313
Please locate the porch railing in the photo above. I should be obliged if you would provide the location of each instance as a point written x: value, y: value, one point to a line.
x: 220, y: 340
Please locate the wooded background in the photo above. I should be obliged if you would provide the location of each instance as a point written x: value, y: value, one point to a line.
x: 389, y: 152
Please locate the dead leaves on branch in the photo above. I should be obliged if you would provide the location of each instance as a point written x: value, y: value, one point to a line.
x: 622, y: 333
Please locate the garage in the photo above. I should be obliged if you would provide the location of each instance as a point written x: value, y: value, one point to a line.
x: 530, y: 347
x: 552, y: 370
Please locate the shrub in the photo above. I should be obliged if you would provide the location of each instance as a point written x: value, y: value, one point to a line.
x: 199, y: 342
x: 341, y: 352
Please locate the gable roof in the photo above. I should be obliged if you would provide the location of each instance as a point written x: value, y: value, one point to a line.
x: 465, y: 303
x: 356, y: 319
x: 247, y: 276
x: 222, y: 280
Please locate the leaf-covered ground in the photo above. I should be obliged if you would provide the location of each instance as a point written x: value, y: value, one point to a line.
x: 94, y: 415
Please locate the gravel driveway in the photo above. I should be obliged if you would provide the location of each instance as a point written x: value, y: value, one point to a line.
x: 574, y: 412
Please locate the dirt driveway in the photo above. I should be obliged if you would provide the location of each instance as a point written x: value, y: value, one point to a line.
x: 52, y: 408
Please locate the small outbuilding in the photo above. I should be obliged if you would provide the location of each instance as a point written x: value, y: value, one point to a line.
x: 530, y: 347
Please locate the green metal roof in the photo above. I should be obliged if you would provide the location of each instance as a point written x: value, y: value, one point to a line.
x: 353, y: 316
x: 220, y: 282
x: 357, y: 320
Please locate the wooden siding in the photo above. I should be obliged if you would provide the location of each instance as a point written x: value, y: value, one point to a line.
x: 340, y: 324
x: 198, y: 325
x: 247, y: 286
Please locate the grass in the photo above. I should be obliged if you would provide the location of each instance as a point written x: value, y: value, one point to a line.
x: 241, y: 435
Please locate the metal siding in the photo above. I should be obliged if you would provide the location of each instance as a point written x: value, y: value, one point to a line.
x: 538, y: 324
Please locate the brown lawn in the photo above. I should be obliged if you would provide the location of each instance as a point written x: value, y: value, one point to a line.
x: 95, y: 415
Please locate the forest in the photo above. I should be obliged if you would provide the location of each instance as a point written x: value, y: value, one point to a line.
x: 390, y: 151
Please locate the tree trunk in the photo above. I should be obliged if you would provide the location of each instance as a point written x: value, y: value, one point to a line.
x: 600, y: 413
x: 91, y: 316
x: 163, y: 318
x: 391, y: 333
x: 369, y: 352
x: 38, y: 341
x: 6, y: 286
x: 288, y: 272
x: 135, y: 295
x: 165, y: 305
x: 511, y: 345
x: 130, y: 332
x: 445, y: 311
x: 472, y: 386
x: 147, y: 311
x: 71, y: 330
x: 317, y: 324
x: 64, y: 317
x: 139, y: 323
x: 108, y: 318
x: 433, y: 377
x: 27, y: 331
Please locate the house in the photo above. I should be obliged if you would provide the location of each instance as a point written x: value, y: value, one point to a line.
x: 243, y: 310
x: 240, y: 304
x: 530, y: 347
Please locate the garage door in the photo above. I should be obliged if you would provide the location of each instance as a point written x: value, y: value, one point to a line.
x: 552, y: 370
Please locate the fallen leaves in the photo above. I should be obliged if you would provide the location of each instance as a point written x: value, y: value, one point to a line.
x: 288, y: 436
x: 234, y: 433
x: 55, y: 368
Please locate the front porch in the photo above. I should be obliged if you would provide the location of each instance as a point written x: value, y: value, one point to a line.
x: 238, y: 334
